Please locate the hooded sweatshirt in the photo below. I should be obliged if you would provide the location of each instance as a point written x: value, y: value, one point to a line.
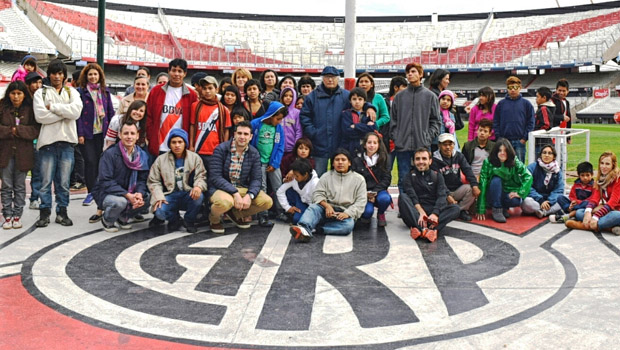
x: 291, y: 124
x: 59, y: 122
x: 278, y: 143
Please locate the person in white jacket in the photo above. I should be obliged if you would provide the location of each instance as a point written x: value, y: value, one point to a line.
x: 56, y: 107
x: 295, y: 196
x: 338, y: 200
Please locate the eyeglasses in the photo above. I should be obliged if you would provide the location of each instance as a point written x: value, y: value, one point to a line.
x: 514, y: 87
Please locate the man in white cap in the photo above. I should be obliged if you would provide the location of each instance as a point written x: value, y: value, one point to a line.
x: 449, y: 162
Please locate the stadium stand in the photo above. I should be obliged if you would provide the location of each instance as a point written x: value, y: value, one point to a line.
x: 19, y: 34
x: 602, y: 111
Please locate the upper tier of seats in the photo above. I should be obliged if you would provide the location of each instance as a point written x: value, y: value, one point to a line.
x: 19, y: 34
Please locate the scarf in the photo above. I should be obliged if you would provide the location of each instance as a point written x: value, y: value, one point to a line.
x: 221, y: 129
x: 447, y: 121
x: 550, y: 169
x: 372, y: 160
x: 139, y: 162
x: 97, y: 96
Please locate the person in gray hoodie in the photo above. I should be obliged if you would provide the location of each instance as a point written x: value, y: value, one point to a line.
x: 338, y: 200
x: 414, y: 119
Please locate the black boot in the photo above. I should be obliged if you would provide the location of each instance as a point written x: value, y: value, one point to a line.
x: 44, y: 217
x: 62, y: 218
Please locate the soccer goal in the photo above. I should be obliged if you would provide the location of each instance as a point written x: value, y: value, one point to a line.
x: 571, y: 145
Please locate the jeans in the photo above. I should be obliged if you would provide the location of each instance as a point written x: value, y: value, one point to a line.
x: 115, y: 207
x: 612, y: 219
x: 404, y: 166
x: 519, y: 150
x: 564, y: 202
x: 13, y: 192
x: 56, y: 166
x: 320, y: 165
x: 294, y: 199
x: 180, y: 200
x: 314, y: 216
x: 497, y: 198
x: 35, y: 178
x: 382, y: 202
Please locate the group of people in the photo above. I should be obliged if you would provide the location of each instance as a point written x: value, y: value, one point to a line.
x: 241, y: 147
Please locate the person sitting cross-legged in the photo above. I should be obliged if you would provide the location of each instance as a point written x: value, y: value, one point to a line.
x: 176, y: 181
x: 235, y: 180
x: 423, y: 203
x: 338, y: 200
x: 120, y: 190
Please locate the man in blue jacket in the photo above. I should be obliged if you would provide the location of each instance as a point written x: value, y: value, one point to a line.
x: 320, y: 117
x: 121, y: 190
x: 514, y: 117
x: 235, y: 180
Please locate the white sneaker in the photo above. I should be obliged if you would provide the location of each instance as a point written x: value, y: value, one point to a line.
x: 16, y: 222
x: 7, y: 224
x: 34, y: 204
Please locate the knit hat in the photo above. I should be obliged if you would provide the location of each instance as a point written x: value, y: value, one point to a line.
x: 32, y: 77
x: 28, y: 58
x: 197, y: 76
x: 449, y: 93
x: 176, y: 132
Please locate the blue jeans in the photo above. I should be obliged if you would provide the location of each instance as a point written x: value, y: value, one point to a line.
x: 404, y: 166
x: 56, y: 166
x: 519, y: 150
x: 564, y: 202
x: 115, y: 207
x: 35, y: 178
x: 612, y: 219
x: 382, y: 202
x: 180, y: 200
x: 320, y: 165
x: 294, y: 200
x: 315, y: 216
x: 497, y: 198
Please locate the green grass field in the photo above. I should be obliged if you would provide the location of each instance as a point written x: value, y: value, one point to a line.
x: 603, y: 137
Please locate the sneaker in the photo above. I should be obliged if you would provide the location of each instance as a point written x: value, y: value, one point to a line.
x: 283, y: 217
x: 540, y: 213
x: 217, y: 228
x: 191, y: 228
x: 78, y: 186
x: 123, y: 224
x: 138, y: 218
x: 559, y: 219
x: 464, y: 215
x: 89, y: 200
x: 263, y: 221
x: 415, y: 233
x: 155, y: 221
x: 94, y: 218
x: 300, y: 234
x: 365, y: 221
x: 7, y: 224
x: 239, y: 222
x: 174, y: 225
x: 616, y: 230
x: 16, y: 222
x: 34, y: 204
x: 109, y: 227
x: 381, y: 222
x: 498, y: 215
x: 429, y: 234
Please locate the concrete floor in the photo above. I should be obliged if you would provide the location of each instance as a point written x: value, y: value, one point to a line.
x: 476, y: 287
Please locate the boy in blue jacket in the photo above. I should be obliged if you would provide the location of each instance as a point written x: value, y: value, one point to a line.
x: 354, y: 123
x: 268, y: 138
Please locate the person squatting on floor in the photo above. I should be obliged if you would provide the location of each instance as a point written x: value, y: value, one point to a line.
x: 424, y: 192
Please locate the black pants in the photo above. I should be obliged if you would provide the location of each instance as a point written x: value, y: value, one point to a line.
x: 77, y: 175
x: 91, y: 151
x: 410, y: 214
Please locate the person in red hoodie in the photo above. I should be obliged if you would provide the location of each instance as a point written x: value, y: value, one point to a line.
x: 168, y: 107
x: 603, y: 210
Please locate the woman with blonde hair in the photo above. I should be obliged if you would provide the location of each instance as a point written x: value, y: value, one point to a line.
x: 239, y: 77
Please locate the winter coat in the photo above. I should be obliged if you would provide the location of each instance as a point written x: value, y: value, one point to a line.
x: 580, y: 191
x: 451, y: 168
x: 426, y: 188
x: 161, y: 180
x: 58, y: 123
x: 114, y: 175
x: 513, y: 119
x: 154, y: 107
x: 87, y: 118
x: 342, y: 191
x: 219, y: 164
x: 351, y: 137
x: 539, y: 192
x: 415, y: 119
x: 515, y: 179
x: 469, y: 149
x: 278, y: 143
x: 291, y: 123
x: 384, y: 177
x: 19, y: 146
